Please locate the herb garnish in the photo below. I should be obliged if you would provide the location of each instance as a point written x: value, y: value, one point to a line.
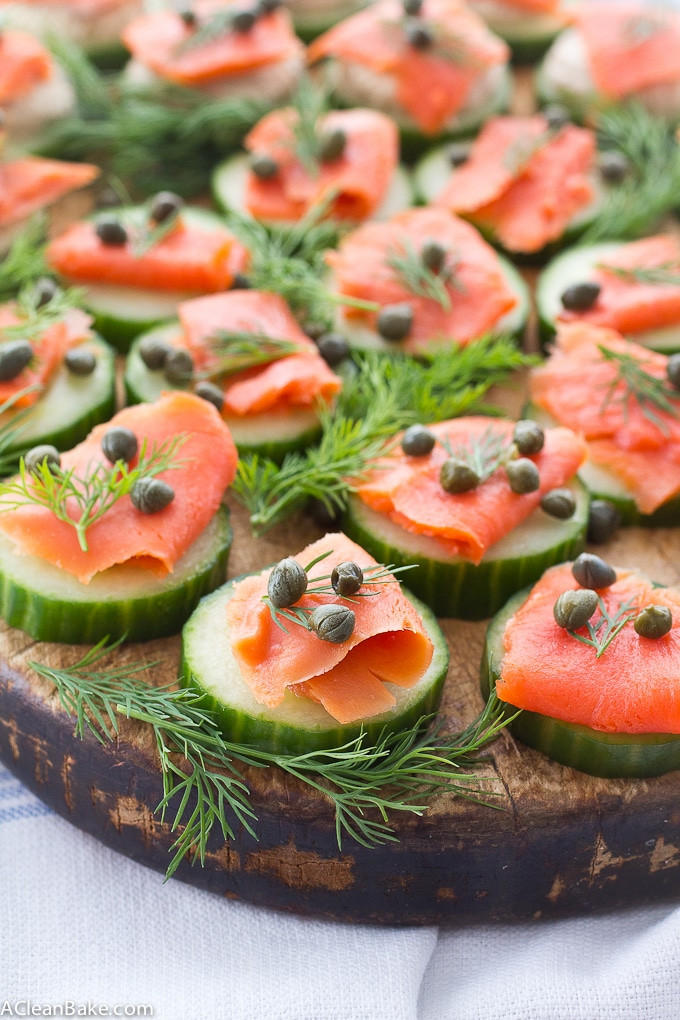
x: 24, y: 263
x: 61, y: 492
x: 37, y: 317
x: 309, y: 104
x: 604, y: 630
x: 237, y: 350
x: 207, y: 30
x: 665, y: 274
x: 650, y: 392
x: 485, y: 453
x: 418, y: 278
x: 148, y: 232
x: 520, y: 151
x: 397, y: 773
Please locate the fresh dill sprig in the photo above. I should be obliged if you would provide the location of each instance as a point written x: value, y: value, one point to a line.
x: 485, y: 453
x: 651, y: 392
x: 207, y: 30
x: 11, y: 449
x: 396, y: 774
x: 236, y: 350
x: 24, y: 263
x: 606, y: 627
x: 665, y: 274
x: 520, y: 151
x: 92, y: 495
x: 149, y: 233
x: 36, y: 317
x: 309, y: 103
x: 419, y: 279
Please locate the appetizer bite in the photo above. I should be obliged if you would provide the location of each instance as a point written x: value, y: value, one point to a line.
x: 528, y: 26
x: 315, y: 650
x: 312, y: 17
x: 614, y: 52
x: 624, y: 399
x: 222, y: 47
x: 245, y: 353
x: 137, y: 263
x: 482, y: 505
x: 34, y: 89
x: 433, y: 66
x: 591, y: 655
x: 433, y: 279
x: 121, y: 536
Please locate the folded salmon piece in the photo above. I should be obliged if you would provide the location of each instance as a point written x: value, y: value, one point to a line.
x: 49, y: 348
x: 24, y: 63
x: 33, y: 183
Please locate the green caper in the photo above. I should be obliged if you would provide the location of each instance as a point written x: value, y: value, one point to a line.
x: 458, y: 153
x: 268, y: 6
x: 164, y: 205
x: 241, y: 282
x: 603, y: 520
x: 653, y: 621
x: 315, y: 329
x: 243, y: 21
x: 395, y: 322
x: 457, y: 476
x: 178, y: 366
x: 591, y: 571
x: 333, y: 348
x: 43, y: 454
x: 210, y: 392
x: 119, y: 443
x: 528, y: 437
x: 44, y: 290
x: 433, y: 255
x: 673, y: 370
x: 347, y: 578
x: 614, y: 166
x: 573, y: 609
x: 151, y: 495
x: 332, y: 145
x: 287, y: 583
x: 111, y: 231
x: 333, y: 623
x: 556, y: 115
x: 523, y: 476
x: 188, y: 17
x: 263, y: 166
x: 559, y: 503
x: 15, y: 356
x: 418, y: 34
x: 412, y: 7
x: 80, y: 361
x: 417, y: 441
x: 580, y: 296
x: 153, y: 351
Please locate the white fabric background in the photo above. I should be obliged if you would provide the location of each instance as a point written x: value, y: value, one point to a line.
x: 79, y: 923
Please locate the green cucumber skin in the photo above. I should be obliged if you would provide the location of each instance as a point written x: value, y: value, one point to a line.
x: 610, y: 755
x: 287, y: 738
x: 142, y: 618
x: 120, y: 333
x: 461, y: 590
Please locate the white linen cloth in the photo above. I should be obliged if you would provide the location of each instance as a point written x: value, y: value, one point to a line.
x: 80, y: 924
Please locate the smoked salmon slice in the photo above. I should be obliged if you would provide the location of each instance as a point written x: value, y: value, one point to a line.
x: 389, y: 643
x: 161, y: 40
x: 523, y: 181
x: 479, y: 295
x: 190, y: 257
x: 49, y: 348
x: 633, y: 687
x: 300, y: 379
x: 32, y: 183
x: 205, y: 465
x: 357, y: 180
x: 24, y: 63
x: 432, y: 84
x: 409, y: 492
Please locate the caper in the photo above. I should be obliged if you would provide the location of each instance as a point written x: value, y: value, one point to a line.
x: 395, y: 322
x: 673, y: 370
x: 559, y: 503
x: 417, y: 441
x: 153, y: 351
x: 603, y: 520
x: 111, y: 231
x: 653, y: 621
x: 119, y: 443
x: 591, y: 571
x: 151, y: 495
x: 412, y: 7
x: 332, y: 145
x: 15, y: 355
x: 523, y: 476
x: 458, y: 153
x: 347, y: 578
x: 178, y: 366
x: 327, y: 517
x: 418, y: 34
x: 315, y: 329
x: 332, y: 623
x: 164, y: 205
x: 80, y: 361
x: 263, y: 166
x: 268, y: 6
x: 43, y: 454
x: 614, y: 166
x: 457, y: 476
x: 556, y: 115
x: 580, y: 296
x: 243, y: 21
x: 528, y: 437
x: 210, y: 392
x: 287, y: 583
x: 44, y: 290
x: 241, y: 282
x: 333, y: 348
x: 188, y: 17
x: 108, y: 198
x: 433, y: 255
x: 573, y: 609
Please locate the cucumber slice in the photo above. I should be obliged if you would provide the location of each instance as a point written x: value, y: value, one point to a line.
x: 70, y: 407
x: 125, y: 601
x: 270, y: 434
x: 451, y: 585
x: 600, y: 754
x: 298, y: 724
x: 576, y: 266
x: 229, y: 186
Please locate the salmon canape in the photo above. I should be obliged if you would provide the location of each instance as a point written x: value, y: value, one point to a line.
x: 616, y: 52
x: 34, y: 90
x: 94, y: 25
x: 439, y: 71
x: 221, y: 47
x: 528, y: 26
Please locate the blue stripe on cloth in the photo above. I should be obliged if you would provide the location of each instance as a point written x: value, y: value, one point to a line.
x: 18, y: 802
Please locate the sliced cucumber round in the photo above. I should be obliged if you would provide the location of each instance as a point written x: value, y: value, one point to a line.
x: 125, y: 601
x: 577, y: 266
x: 69, y: 408
x: 455, y: 587
x: 229, y: 188
x: 270, y: 434
x: 580, y: 747
x: 298, y: 724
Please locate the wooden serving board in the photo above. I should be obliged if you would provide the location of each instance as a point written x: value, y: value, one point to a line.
x: 560, y: 842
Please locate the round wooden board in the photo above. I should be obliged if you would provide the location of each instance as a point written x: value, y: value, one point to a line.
x: 559, y: 842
